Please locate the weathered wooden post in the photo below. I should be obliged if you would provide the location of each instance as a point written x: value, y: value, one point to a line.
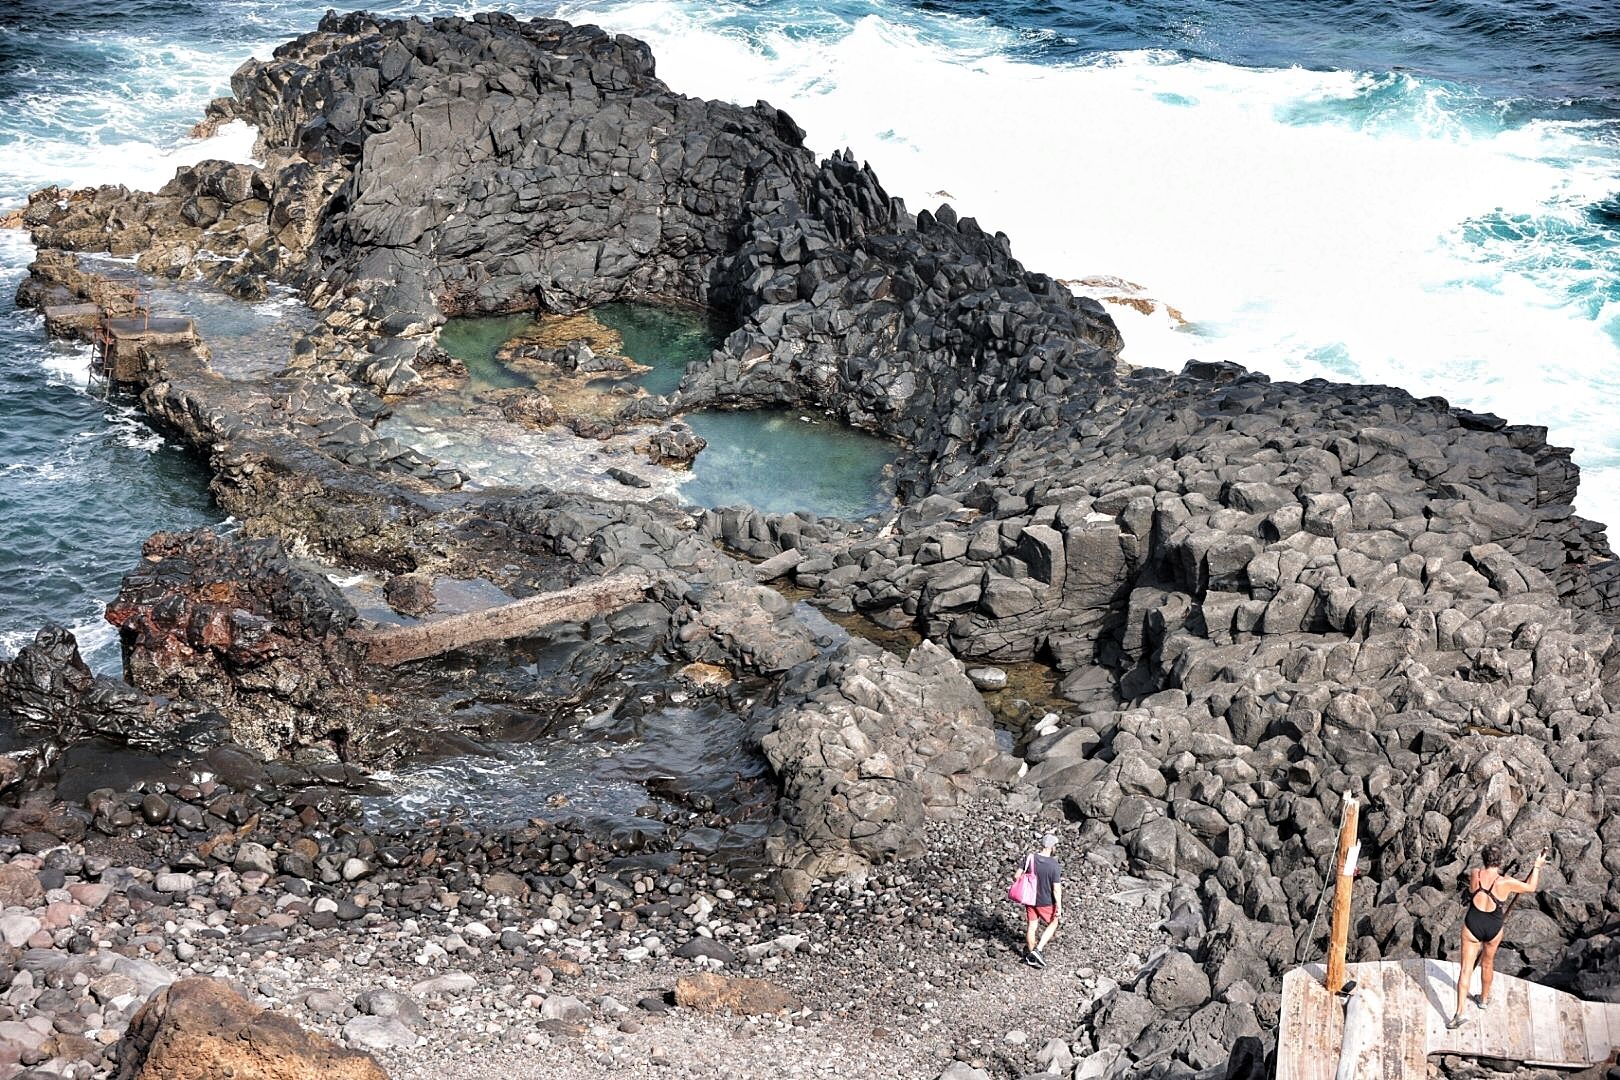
x: 1344, y: 869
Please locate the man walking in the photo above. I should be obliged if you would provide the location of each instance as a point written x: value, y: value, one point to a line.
x: 1048, y: 905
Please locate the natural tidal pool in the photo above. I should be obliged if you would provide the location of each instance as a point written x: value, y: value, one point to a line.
x: 666, y: 339
x: 595, y: 727
x: 775, y: 460
x: 782, y: 461
x: 475, y: 341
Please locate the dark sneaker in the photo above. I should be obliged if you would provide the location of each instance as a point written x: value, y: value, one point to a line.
x: 1454, y: 1023
x: 1036, y: 959
x: 1029, y: 958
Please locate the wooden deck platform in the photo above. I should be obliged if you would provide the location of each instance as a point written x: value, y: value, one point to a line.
x: 1397, y: 1017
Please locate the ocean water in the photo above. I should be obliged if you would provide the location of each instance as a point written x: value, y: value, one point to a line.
x: 1424, y: 194
x: 82, y: 482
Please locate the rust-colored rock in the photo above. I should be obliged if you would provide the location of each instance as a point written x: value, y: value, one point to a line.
x: 201, y: 1029
x: 709, y: 992
x: 410, y: 594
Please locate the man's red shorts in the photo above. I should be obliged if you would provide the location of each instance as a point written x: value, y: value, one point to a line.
x: 1043, y: 912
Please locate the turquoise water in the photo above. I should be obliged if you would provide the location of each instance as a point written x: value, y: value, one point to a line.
x: 782, y: 461
x: 1422, y: 194
x: 474, y: 341
x: 665, y: 339
x: 776, y: 460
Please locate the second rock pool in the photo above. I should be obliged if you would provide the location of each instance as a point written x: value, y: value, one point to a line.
x: 781, y: 461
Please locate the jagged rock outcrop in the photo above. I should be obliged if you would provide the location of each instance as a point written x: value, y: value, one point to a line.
x: 865, y: 745
x: 244, y: 628
x: 49, y: 693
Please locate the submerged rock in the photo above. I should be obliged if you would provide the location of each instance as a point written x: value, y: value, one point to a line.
x: 409, y: 594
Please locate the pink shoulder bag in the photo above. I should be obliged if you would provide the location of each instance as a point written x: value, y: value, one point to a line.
x: 1024, y: 886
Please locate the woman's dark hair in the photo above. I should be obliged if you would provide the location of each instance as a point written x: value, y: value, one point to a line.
x: 1491, y: 855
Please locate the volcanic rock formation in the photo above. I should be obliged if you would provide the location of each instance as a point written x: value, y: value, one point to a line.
x: 1261, y: 597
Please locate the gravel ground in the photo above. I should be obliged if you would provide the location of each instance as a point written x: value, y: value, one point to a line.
x: 922, y: 964
x: 430, y: 952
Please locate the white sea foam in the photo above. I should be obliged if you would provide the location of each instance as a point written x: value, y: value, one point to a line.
x: 1306, y: 223
x: 97, y: 638
x: 77, y: 162
x: 65, y: 363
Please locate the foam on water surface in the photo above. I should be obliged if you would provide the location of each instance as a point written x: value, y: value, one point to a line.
x: 1306, y: 223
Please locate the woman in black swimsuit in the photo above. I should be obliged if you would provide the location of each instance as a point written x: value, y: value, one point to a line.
x: 1488, y: 893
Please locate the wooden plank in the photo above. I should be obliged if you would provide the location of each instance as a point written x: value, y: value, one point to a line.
x: 1572, y: 1026
x: 1415, y: 1050
x: 1435, y: 983
x: 1514, y: 1022
x: 1366, y: 1030
x: 1400, y: 1013
x: 1403, y: 1023
x: 1463, y: 1040
x: 1326, y: 1030
x: 1598, y: 1044
x: 394, y: 645
x: 1290, y: 1028
x: 1308, y: 1042
x: 1474, y: 1034
x: 1547, y: 1042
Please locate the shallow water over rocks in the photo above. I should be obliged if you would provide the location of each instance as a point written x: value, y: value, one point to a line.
x: 776, y: 460
x: 643, y: 755
x: 246, y: 339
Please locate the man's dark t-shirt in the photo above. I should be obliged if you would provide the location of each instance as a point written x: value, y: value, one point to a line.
x: 1047, y: 874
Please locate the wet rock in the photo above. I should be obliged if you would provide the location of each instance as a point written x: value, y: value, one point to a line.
x: 530, y: 408
x: 675, y: 446
x: 628, y: 478
x: 48, y: 691
x: 409, y: 594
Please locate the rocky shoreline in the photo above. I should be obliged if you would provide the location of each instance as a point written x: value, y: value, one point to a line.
x: 1256, y: 597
